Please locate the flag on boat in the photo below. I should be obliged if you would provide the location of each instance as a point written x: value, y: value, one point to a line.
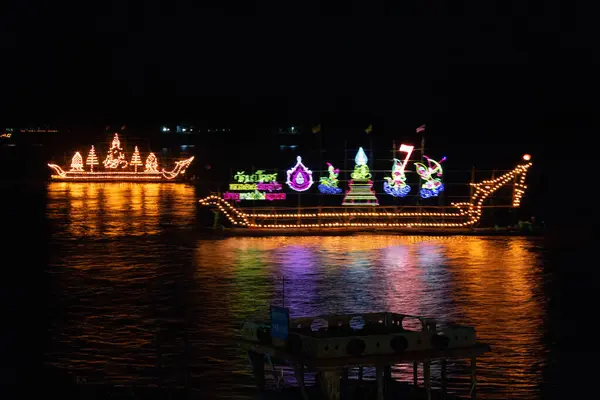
x: 316, y: 128
x: 369, y: 129
x: 421, y: 128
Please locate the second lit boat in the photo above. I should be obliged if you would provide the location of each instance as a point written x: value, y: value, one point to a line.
x: 356, y: 218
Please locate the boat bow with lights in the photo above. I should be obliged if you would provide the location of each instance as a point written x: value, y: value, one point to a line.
x: 352, y: 218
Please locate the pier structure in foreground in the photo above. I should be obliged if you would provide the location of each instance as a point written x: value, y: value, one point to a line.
x: 382, y: 342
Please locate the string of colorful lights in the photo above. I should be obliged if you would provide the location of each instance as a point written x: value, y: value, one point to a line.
x: 466, y: 214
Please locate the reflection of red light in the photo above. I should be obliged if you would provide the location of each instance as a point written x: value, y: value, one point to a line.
x: 526, y: 157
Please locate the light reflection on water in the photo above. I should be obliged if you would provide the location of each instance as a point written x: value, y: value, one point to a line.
x: 130, y: 283
x: 117, y: 209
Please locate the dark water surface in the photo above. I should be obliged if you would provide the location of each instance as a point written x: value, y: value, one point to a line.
x: 128, y: 278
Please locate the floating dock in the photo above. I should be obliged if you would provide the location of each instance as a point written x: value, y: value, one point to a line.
x: 382, y: 340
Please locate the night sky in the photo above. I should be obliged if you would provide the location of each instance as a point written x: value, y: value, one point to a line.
x: 490, y: 81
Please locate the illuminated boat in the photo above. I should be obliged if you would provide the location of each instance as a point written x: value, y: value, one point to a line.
x: 358, y: 218
x: 116, y: 168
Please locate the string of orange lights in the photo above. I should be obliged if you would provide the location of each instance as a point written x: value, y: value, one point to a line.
x: 116, y: 158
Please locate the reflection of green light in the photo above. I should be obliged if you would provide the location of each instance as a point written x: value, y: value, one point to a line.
x: 249, y: 262
x: 252, y: 287
x: 360, y: 261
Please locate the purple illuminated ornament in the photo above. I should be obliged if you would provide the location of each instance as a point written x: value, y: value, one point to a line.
x: 299, y: 177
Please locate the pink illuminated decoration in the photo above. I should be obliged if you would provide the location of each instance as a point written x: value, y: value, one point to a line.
x: 113, y: 160
x: 269, y: 187
x: 253, y: 196
x: 275, y: 196
x: 231, y: 196
x: 432, y: 186
x: 396, y: 185
x: 299, y: 178
x: 115, y: 157
x: 77, y: 163
x: 526, y: 157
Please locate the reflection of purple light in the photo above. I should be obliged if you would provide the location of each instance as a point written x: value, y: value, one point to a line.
x: 396, y: 257
x: 430, y: 255
x: 298, y: 264
x: 253, y: 196
x: 403, y: 276
x: 299, y: 177
x: 436, y: 280
x: 360, y: 283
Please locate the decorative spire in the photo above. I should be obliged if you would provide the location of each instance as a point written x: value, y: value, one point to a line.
x: 360, y: 192
x: 115, y: 156
x: 361, y: 157
x: 116, y: 143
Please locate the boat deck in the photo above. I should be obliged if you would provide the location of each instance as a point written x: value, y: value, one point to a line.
x: 333, y: 379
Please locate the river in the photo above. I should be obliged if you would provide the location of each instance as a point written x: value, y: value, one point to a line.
x: 128, y: 277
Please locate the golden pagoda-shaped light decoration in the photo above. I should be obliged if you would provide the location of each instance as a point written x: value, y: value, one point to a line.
x: 361, y: 187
